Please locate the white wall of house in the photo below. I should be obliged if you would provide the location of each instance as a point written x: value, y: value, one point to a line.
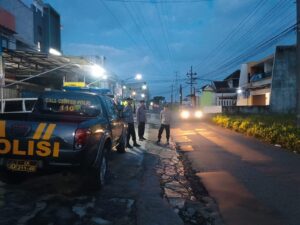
x: 243, y: 76
x: 224, y: 99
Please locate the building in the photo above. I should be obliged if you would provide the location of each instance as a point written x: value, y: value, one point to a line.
x: 7, y: 29
x: 29, y: 29
x: 284, y: 86
x: 18, y: 25
x: 255, y: 83
x: 46, y: 29
x: 221, y: 93
x: 138, y: 91
x: 270, y: 82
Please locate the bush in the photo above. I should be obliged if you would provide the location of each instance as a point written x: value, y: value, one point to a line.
x: 279, y: 129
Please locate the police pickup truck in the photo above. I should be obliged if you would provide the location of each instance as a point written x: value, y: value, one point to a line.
x: 65, y: 129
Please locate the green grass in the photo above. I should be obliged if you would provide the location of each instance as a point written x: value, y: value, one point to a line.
x: 274, y: 129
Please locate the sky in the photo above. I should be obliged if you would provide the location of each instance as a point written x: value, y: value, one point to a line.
x: 159, y: 38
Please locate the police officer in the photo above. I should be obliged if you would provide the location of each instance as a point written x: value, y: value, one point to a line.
x: 128, y: 113
x: 141, y: 120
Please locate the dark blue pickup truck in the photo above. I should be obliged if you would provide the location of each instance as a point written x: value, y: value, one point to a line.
x: 65, y: 129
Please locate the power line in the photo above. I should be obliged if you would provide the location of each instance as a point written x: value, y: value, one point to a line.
x: 259, y: 25
x: 161, y: 1
x: 139, y: 29
x: 165, y: 35
x: 252, y: 51
x: 230, y: 35
x: 122, y: 27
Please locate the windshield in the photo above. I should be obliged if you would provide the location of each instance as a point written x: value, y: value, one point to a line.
x: 74, y: 104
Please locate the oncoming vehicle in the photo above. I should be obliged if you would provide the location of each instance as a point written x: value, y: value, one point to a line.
x: 65, y: 129
x: 190, y: 113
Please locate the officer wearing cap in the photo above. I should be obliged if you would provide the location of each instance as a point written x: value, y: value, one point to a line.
x: 128, y: 114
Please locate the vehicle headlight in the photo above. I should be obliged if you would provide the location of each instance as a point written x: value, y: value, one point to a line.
x: 198, y: 114
x: 185, y: 114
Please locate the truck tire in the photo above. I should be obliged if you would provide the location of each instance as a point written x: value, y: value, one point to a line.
x: 99, y: 174
x: 122, y: 143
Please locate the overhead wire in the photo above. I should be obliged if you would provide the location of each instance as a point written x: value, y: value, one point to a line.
x: 230, y: 35
x: 269, y: 18
x: 263, y: 45
x: 244, y: 34
x: 165, y: 36
x: 124, y: 30
x: 141, y: 31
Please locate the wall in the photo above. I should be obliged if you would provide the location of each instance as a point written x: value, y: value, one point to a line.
x: 24, y: 20
x: 52, y: 23
x: 283, y: 94
x: 207, y: 98
x: 246, y: 109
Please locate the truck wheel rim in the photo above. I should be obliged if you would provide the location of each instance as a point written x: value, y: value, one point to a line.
x: 103, y: 170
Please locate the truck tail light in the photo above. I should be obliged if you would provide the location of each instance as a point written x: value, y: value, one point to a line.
x: 80, y: 138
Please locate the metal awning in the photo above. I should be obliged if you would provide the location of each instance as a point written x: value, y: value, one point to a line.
x: 22, y: 64
x: 31, y: 63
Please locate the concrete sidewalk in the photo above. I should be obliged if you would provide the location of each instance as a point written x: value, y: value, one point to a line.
x: 152, y: 208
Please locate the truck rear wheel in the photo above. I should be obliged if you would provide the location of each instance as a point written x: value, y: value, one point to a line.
x: 99, y: 174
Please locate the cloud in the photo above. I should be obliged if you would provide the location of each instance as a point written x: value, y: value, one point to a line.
x: 88, y: 49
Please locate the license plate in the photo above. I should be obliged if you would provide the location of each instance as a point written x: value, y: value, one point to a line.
x: 22, y: 165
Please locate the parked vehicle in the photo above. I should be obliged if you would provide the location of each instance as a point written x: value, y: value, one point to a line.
x: 65, y: 129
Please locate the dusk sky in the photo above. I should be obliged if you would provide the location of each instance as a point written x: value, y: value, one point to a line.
x: 159, y: 37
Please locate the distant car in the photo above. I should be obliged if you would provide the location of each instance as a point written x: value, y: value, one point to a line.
x: 190, y: 113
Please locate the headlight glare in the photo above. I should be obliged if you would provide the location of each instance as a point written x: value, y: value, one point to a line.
x: 198, y: 114
x: 185, y: 114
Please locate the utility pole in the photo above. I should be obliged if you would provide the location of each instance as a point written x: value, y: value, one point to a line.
x: 176, y: 86
x: 298, y: 65
x: 172, y: 94
x: 192, y: 77
x: 180, y: 94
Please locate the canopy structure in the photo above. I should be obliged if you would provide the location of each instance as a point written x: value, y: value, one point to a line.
x: 54, y: 69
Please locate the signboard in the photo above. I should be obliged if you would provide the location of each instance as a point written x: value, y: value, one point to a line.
x: 74, y: 84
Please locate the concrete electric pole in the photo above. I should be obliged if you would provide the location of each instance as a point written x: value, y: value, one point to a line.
x: 192, y: 77
x: 298, y: 65
x: 172, y: 90
x: 180, y: 94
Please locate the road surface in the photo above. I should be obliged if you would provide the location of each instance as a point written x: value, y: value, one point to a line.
x: 253, y: 183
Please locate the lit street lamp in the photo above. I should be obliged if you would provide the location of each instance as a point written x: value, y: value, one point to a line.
x: 138, y: 76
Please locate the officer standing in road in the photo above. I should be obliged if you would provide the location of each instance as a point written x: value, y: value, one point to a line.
x: 165, y: 120
x: 128, y: 114
x: 141, y: 120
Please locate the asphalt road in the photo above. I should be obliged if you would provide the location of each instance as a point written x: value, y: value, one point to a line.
x: 254, y: 183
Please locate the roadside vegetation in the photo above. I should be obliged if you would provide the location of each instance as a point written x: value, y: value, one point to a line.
x: 274, y: 129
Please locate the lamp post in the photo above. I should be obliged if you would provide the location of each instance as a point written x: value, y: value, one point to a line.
x: 138, y: 76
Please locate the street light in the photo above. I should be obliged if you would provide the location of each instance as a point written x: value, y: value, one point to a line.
x: 144, y: 87
x: 97, y: 70
x: 53, y: 51
x: 138, y: 76
x: 143, y: 95
x: 133, y: 93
